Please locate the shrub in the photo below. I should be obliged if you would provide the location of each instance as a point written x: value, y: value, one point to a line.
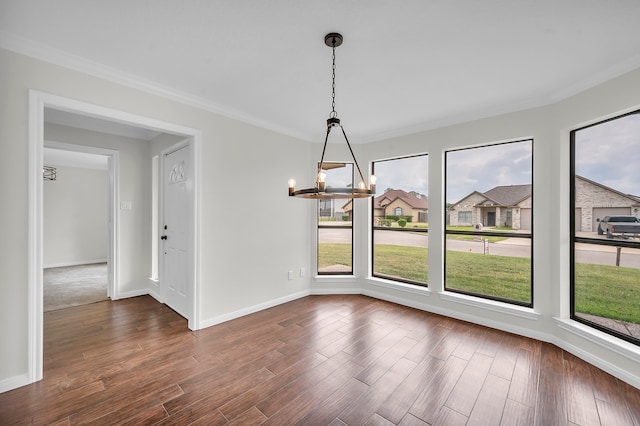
x: 385, y: 222
x: 345, y: 218
x: 392, y: 217
x: 409, y: 218
x: 402, y: 223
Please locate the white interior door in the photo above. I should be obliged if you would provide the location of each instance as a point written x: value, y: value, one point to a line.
x: 178, y: 188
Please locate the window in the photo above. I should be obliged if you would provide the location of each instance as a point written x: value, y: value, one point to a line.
x: 489, y: 194
x: 400, y: 219
x: 464, y: 217
x: 605, y: 226
x: 335, y: 229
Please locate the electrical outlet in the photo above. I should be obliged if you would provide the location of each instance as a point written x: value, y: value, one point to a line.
x: 290, y: 275
x: 302, y: 272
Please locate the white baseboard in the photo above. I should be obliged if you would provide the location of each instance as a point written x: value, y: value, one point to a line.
x: 251, y: 309
x: 132, y: 293
x: 329, y: 291
x: 14, y: 382
x: 155, y: 295
x: 76, y: 263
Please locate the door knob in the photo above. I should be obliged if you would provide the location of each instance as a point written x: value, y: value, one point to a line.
x: 164, y: 237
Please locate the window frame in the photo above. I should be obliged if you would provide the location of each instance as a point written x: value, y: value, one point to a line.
x: 318, y: 227
x: 490, y: 233
x: 470, y: 214
x: 416, y: 230
x: 573, y: 238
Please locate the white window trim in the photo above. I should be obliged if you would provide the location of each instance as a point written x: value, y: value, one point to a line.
x: 491, y: 305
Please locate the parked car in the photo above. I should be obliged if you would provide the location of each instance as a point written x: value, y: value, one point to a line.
x: 619, y: 226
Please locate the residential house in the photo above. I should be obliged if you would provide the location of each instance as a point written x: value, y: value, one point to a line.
x: 397, y: 202
x: 595, y: 201
x: 508, y: 206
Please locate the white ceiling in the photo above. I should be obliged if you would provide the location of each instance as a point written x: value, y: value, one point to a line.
x: 405, y: 65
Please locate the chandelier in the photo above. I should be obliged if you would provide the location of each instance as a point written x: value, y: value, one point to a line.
x: 320, y: 190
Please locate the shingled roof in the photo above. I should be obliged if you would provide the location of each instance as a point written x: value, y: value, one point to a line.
x: 411, y: 198
x: 508, y: 195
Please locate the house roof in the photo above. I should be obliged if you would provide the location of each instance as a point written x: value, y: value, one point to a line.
x: 509, y: 195
x: 418, y: 202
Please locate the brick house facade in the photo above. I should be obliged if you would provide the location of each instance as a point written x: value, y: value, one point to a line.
x: 511, y: 206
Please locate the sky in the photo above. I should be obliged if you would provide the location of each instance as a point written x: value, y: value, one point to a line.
x: 483, y: 168
x: 609, y: 153
x: 410, y: 174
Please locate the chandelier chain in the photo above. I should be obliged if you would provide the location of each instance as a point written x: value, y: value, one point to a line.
x: 333, y: 82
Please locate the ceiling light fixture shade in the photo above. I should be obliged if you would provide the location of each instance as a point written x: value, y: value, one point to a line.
x: 320, y: 190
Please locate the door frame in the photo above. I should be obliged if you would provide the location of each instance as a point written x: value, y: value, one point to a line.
x: 38, y: 101
x: 113, y: 215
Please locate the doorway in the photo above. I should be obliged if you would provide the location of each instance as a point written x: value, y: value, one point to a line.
x: 78, y: 193
x: 38, y: 101
x: 491, y: 218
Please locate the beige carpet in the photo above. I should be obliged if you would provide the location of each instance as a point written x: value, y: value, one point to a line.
x: 74, y: 285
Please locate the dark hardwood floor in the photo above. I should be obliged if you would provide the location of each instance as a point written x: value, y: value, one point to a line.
x: 320, y: 360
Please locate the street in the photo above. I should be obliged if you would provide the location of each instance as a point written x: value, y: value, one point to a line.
x: 515, y: 247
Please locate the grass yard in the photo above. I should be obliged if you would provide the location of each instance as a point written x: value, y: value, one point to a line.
x: 608, y: 291
x: 334, y: 254
x: 408, y: 263
x: 496, y: 276
x: 605, y: 291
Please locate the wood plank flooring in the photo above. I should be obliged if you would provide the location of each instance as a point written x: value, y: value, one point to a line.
x: 319, y: 360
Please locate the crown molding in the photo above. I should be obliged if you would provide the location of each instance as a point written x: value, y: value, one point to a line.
x: 76, y: 63
x: 73, y: 62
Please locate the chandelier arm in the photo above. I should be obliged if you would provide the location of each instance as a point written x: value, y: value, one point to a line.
x: 324, y: 148
x: 353, y: 156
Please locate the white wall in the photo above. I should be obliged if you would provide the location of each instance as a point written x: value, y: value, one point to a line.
x: 244, y: 258
x: 75, y: 218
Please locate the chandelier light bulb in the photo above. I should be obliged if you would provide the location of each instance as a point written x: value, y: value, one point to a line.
x: 372, y: 183
x: 292, y: 186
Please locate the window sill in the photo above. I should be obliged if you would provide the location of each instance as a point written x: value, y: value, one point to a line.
x: 396, y: 285
x: 335, y: 278
x: 600, y: 338
x: 491, y: 305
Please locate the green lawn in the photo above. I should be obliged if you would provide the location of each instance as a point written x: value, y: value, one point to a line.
x: 409, y: 263
x: 334, y: 254
x: 605, y: 291
x: 608, y: 291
